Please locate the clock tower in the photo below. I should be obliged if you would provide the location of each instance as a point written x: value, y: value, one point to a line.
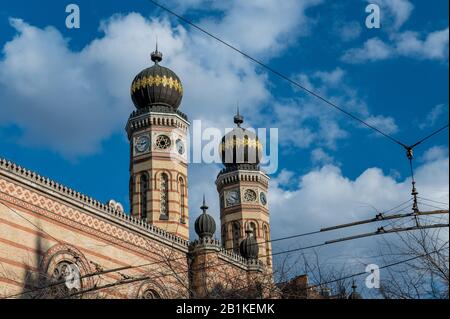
x: 157, y: 133
x: 242, y: 188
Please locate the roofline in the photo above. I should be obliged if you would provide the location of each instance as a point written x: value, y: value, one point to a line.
x: 32, y: 179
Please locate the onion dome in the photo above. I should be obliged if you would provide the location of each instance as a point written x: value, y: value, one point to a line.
x: 240, y: 147
x: 249, y: 247
x: 156, y: 86
x: 205, y: 226
x: 354, y: 294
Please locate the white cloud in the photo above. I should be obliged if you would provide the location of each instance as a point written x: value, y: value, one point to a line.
x: 394, y: 12
x: 320, y: 157
x: 435, y: 153
x: 72, y: 101
x: 263, y: 26
x: 305, y: 121
x: 348, y: 31
x: 325, y: 197
x: 434, y: 46
x: 385, y: 124
x: 433, y: 116
x: 373, y: 50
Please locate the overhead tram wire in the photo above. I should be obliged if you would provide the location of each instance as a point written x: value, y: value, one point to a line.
x: 378, y: 232
x: 279, y: 74
x: 381, y: 267
x: 428, y: 136
x: 377, y: 218
x: 283, y: 252
x: 429, y: 205
x: 409, y: 148
x: 433, y: 201
x: 293, y: 82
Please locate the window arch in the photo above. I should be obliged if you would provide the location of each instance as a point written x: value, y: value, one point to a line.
x: 182, y: 190
x: 164, y: 194
x: 143, y: 194
x: 65, y: 263
x: 236, y: 236
x: 149, y: 290
x: 150, y: 294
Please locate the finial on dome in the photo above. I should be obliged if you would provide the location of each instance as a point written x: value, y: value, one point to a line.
x: 205, y: 226
x: 204, y: 207
x: 238, y: 119
x: 156, y: 56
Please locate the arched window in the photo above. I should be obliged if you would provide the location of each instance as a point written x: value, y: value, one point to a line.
x: 236, y: 235
x: 150, y: 294
x: 68, y: 272
x: 246, y: 153
x: 143, y: 194
x: 266, y: 240
x: 182, y: 200
x: 131, y: 193
x: 224, y: 235
x: 253, y: 228
x: 164, y: 194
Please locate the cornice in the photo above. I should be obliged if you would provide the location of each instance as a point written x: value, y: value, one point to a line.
x: 89, y: 204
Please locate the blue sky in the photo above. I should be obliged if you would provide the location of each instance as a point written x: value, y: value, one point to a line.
x: 64, y: 98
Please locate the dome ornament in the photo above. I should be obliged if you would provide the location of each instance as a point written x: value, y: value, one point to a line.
x: 238, y: 119
x: 249, y: 248
x: 157, y: 87
x: 240, y: 147
x: 156, y: 56
x: 205, y: 226
x: 204, y: 207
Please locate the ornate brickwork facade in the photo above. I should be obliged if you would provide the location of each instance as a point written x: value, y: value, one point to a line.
x: 58, y: 243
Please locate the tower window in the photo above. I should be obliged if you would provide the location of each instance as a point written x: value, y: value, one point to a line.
x: 131, y: 193
x: 164, y: 194
x: 182, y: 200
x: 266, y: 243
x: 253, y: 228
x: 224, y: 235
x: 236, y: 236
x: 143, y: 195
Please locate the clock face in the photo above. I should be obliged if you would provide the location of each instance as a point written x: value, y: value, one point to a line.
x: 263, y: 198
x: 180, y: 146
x: 142, y: 143
x: 232, y: 198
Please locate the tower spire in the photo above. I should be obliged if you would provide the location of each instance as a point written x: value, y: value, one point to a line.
x: 204, y: 207
x: 156, y: 56
x: 238, y: 119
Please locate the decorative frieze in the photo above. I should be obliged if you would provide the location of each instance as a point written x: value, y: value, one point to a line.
x: 33, y: 179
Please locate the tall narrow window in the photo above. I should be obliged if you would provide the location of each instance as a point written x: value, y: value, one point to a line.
x: 253, y: 229
x: 131, y: 193
x: 246, y: 153
x: 164, y: 191
x: 266, y: 240
x: 143, y: 195
x: 236, y: 235
x: 182, y: 199
x: 224, y: 235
